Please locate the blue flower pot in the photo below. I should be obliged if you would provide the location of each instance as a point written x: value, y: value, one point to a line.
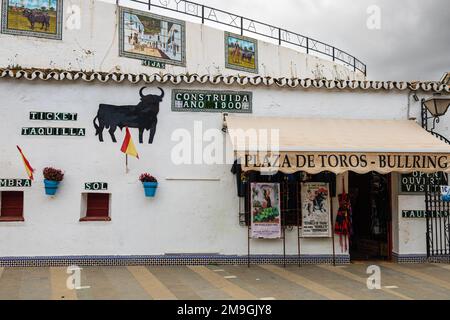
x: 50, y: 187
x: 150, y: 188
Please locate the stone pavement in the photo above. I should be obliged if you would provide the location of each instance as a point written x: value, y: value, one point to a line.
x: 262, y: 282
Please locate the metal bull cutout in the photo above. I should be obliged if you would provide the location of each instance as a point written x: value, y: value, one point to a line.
x: 142, y: 116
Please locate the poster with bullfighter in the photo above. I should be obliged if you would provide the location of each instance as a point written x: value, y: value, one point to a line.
x: 241, y: 53
x: 316, y: 220
x: 265, y: 211
x: 35, y: 18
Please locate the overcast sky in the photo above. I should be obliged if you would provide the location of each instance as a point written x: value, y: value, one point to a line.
x: 413, y: 42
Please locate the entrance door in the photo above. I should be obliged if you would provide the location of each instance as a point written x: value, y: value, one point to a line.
x: 371, y: 216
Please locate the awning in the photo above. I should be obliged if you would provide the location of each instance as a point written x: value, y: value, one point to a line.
x: 335, y: 145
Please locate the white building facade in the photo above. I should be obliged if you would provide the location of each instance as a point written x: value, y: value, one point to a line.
x: 195, y: 214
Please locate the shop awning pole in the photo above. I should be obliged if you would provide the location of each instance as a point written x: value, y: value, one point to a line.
x: 298, y: 222
x: 332, y: 231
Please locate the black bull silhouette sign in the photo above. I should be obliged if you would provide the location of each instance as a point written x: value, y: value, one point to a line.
x: 142, y: 116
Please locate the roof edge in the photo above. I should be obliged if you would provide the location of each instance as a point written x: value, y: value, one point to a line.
x: 306, y: 83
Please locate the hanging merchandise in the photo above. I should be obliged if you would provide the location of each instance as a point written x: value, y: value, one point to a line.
x: 379, y: 205
x: 343, y: 226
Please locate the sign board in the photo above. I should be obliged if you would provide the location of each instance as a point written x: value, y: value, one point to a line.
x: 154, y: 64
x: 445, y: 193
x: 95, y: 186
x: 265, y: 211
x: 212, y: 101
x: 53, y: 116
x: 315, y: 162
x: 147, y: 36
x: 52, y: 131
x: 422, y: 214
x: 17, y: 183
x: 415, y: 183
x: 316, y: 204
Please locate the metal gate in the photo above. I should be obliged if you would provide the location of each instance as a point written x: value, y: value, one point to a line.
x: 437, y: 218
x: 437, y: 223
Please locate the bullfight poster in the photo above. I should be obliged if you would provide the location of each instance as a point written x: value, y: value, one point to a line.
x: 315, y: 197
x: 265, y: 211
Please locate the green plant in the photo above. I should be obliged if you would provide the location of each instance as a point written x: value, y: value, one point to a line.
x: 267, y: 214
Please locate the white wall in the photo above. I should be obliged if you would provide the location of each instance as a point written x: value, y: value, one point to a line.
x: 412, y: 231
x: 95, y: 47
x: 185, y: 216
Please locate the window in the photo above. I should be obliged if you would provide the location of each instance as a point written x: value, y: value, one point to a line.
x: 290, y: 186
x: 97, y: 207
x: 11, y: 206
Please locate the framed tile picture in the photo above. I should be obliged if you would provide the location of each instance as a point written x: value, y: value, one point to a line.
x: 241, y: 53
x: 33, y: 18
x: 146, y: 36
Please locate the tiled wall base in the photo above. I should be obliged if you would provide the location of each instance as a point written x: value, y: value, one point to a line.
x: 418, y: 258
x: 55, y: 261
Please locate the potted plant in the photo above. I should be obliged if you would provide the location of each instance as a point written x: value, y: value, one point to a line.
x: 150, y: 184
x: 52, y: 178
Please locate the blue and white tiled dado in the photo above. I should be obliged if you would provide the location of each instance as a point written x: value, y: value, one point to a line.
x: 55, y: 261
x: 418, y: 258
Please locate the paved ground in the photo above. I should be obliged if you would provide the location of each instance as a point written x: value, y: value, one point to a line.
x: 407, y: 281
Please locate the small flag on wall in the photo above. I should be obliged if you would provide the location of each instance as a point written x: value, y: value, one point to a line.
x: 27, y: 164
x: 128, y: 145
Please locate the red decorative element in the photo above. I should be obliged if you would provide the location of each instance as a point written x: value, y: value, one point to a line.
x: 53, y: 174
x: 97, y: 207
x: 11, y: 206
x: 147, y: 177
x: 343, y: 226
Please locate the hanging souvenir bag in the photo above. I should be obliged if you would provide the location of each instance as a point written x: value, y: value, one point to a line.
x: 343, y: 226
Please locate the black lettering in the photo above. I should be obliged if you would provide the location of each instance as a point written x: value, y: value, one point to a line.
x: 343, y: 160
x: 382, y: 161
x: 301, y: 158
x: 286, y: 162
x: 311, y: 162
x: 363, y: 161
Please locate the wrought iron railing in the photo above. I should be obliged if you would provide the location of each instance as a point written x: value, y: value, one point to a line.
x: 251, y: 26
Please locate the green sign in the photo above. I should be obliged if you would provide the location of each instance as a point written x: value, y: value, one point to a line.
x: 53, y: 116
x: 96, y: 186
x: 415, y: 183
x: 154, y: 64
x: 10, y: 183
x: 52, y: 131
x: 422, y: 214
x: 212, y: 101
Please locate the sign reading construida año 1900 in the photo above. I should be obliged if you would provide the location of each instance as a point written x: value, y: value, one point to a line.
x: 212, y: 101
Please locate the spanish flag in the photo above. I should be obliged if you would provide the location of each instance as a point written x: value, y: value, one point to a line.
x: 128, y: 145
x: 28, y: 166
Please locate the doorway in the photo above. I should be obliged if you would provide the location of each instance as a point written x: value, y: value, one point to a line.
x: 370, y: 196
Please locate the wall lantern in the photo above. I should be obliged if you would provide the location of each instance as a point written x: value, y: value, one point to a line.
x: 437, y: 106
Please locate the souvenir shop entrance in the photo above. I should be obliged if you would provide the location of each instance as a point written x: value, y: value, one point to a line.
x: 367, y: 150
x: 370, y: 198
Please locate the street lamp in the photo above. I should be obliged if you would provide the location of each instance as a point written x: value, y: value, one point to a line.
x: 437, y: 106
